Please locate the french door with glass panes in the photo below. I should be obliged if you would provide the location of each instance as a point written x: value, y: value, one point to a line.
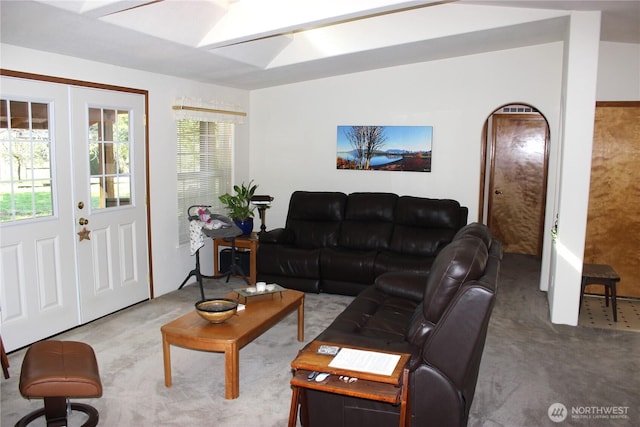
x: 72, y: 207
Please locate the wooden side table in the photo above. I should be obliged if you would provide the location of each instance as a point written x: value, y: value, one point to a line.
x: 244, y: 242
x: 601, y: 274
x: 392, y: 389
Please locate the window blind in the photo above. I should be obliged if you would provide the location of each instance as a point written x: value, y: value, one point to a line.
x: 205, y: 159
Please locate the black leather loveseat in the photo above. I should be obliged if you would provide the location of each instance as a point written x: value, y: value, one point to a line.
x: 338, y: 243
x: 441, y: 319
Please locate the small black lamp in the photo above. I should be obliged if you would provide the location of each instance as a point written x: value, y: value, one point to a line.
x: 262, y: 203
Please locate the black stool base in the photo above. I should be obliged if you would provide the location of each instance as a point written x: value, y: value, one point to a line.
x: 55, y: 411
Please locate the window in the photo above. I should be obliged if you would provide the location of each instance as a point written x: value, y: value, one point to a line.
x: 204, y: 167
x: 109, y: 158
x: 25, y: 161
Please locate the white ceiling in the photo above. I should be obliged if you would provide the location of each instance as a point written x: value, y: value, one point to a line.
x: 253, y: 44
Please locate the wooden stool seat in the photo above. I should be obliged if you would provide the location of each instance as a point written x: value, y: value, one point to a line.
x: 56, y: 371
x: 601, y: 274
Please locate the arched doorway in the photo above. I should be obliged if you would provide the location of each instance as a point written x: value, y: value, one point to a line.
x: 514, y: 177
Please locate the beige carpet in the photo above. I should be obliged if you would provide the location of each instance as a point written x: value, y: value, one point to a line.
x: 128, y: 347
x: 528, y: 365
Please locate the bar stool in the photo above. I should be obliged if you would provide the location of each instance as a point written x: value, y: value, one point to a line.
x: 56, y: 371
x: 601, y: 274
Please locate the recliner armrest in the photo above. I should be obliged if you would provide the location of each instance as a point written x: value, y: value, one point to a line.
x: 402, y: 284
x: 277, y: 235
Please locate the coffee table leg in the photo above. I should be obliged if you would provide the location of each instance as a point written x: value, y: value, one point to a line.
x: 166, y: 355
x: 232, y: 372
x: 301, y: 320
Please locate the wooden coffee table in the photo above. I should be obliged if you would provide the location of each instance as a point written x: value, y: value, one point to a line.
x: 261, y: 313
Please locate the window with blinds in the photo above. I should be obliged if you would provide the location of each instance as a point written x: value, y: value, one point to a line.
x: 204, y: 167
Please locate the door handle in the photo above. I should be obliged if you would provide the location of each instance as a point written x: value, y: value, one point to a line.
x: 497, y: 192
x: 83, y: 221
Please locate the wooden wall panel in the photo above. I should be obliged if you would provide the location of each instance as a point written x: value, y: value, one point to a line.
x: 613, y: 224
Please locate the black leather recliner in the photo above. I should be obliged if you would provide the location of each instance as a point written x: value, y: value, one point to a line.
x: 338, y: 243
x: 441, y: 319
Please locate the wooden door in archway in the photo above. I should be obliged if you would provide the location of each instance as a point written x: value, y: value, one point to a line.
x: 517, y: 182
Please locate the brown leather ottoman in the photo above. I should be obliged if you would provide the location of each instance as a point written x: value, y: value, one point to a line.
x: 56, y: 371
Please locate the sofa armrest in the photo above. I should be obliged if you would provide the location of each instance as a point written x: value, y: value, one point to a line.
x: 402, y: 284
x: 455, y: 346
x: 277, y: 235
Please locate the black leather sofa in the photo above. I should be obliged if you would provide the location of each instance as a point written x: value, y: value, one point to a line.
x: 441, y: 319
x: 338, y: 243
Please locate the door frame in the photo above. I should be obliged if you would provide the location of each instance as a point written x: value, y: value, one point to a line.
x: 487, y: 162
x: 145, y: 94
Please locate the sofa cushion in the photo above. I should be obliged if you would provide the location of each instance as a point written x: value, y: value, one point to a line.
x: 347, y: 265
x: 315, y: 218
x: 371, y: 207
x: 368, y: 221
x: 424, y: 226
x: 373, y: 315
x: 290, y: 261
x: 430, y: 213
x: 388, y: 261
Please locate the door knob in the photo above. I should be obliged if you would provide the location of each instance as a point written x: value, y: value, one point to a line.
x: 83, y: 221
x: 498, y: 192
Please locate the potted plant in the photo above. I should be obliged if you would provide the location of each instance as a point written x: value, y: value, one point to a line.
x: 239, y: 206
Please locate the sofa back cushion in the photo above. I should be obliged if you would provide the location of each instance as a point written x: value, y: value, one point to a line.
x: 368, y: 221
x: 423, y: 226
x: 315, y: 218
x: 475, y: 229
x: 459, y: 262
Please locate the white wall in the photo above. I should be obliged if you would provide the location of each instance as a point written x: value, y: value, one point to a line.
x: 572, y: 187
x: 171, y: 263
x: 293, y: 127
x: 293, y: 130
x: 618, y: 72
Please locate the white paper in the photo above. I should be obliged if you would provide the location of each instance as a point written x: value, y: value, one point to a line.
x: 365, y: 361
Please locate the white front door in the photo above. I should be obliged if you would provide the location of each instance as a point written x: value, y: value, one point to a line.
x: 108, y: 131
x: 56, y: 273
x: 38, y: 282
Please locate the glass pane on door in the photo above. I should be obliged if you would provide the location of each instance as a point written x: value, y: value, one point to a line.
x: 25, y: 161
x: 109, y: 160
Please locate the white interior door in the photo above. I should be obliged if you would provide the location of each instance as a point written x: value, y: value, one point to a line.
x: 108, y: 130
x: 38, y: 293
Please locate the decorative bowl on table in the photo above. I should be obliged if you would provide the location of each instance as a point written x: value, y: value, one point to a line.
x: 216, y: 310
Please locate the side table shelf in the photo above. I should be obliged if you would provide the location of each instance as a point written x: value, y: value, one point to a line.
x: 392, y: 389
x: 244, y: 242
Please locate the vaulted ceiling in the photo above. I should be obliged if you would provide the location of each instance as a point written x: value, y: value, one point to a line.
x: 253, y: 44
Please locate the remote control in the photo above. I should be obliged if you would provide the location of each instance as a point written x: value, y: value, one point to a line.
x: 330, y: 350
x: 321, y: 377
